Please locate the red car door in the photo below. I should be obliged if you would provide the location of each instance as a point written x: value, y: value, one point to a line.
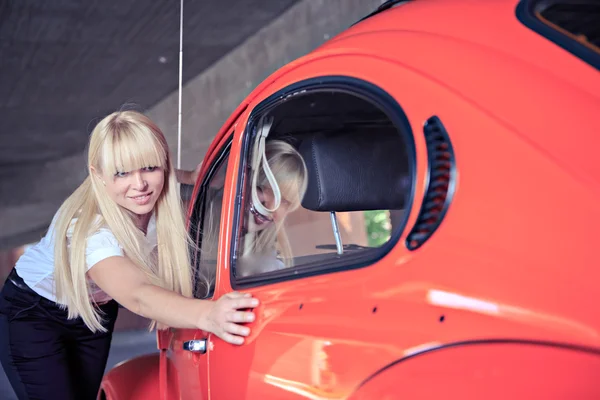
x: 184, y: 359
x: 309, y: 339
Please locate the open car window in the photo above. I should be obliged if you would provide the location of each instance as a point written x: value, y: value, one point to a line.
x: 205, y: 224
x: 343, y: 170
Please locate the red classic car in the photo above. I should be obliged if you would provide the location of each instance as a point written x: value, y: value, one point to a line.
x: 436, y: 239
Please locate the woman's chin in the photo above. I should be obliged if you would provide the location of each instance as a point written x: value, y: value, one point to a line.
x: 141, y: 209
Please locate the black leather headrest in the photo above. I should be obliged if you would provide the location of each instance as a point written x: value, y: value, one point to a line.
x: 366, y: 170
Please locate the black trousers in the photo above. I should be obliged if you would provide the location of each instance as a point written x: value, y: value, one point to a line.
x: 44, y: 354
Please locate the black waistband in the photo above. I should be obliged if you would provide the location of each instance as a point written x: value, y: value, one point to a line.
x: 16, y: 280
x: 17, y: 287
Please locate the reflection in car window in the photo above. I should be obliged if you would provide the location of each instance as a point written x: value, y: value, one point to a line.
x: 278, y: 180
x: 327, y: 179
x: 204, y: 228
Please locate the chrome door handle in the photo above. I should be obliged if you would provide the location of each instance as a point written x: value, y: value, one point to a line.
x: 195, y: 346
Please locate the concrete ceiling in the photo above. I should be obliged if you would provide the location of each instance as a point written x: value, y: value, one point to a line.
x: 66, y: 63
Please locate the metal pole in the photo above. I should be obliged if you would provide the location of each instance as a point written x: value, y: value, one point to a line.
x: 180, y: 84
x: 336, y: 232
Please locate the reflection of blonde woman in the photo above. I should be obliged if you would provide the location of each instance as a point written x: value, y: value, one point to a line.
x: 121, y: 236
x: 279, y: 180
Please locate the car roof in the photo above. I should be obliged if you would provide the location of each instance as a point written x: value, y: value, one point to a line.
x: 490, y: 24
x: 481, y: 52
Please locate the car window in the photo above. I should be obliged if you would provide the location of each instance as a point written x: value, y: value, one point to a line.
x: 571, y: 24
x: 343, y: 171
x: 580, y: 20
x: 204, y: 227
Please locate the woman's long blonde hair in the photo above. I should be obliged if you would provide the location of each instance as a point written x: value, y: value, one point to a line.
x: 285, y: 174
x: 122, y: 141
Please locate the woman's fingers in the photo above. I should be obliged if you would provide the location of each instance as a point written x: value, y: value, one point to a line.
x: 229, y: 338
x: 241, y: 317
x: 233, y: 333
x: 235, y: 329
x: 237, y: 295
x: 243, y: 302
x: 228, y: 317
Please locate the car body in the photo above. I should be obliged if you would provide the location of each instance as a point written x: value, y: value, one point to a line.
x: 486, y: 282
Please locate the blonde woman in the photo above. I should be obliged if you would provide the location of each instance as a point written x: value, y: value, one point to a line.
x: 279, y: 181
x: 120, y: 237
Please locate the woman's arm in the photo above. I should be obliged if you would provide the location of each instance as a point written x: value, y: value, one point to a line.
x: 188, y: 177
x: 124, y: 282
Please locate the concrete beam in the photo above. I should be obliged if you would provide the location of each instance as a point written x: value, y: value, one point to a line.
x: 209, y: 99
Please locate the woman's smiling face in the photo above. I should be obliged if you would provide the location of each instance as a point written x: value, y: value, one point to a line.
x: 258, y: 221
x: 138, y: 190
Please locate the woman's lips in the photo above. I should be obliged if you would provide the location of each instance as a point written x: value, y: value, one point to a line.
x: 142, y: 199
x: 260, y: 220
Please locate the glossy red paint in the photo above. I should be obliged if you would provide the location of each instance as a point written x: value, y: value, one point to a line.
x: 499, y: 302
x: 517, y: 371
x: 132, y: 380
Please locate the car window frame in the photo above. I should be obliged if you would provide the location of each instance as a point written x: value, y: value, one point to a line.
x: 525, y: 13
x: 357, y: 87
x: 224, y: 155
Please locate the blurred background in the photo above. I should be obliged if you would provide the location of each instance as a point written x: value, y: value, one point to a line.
x: 64, y: 64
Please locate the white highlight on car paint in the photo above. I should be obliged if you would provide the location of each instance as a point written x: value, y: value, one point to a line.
x: 454, y: 300
x: 537, y: 318
x: 421, y: 348
x: 299, y: 388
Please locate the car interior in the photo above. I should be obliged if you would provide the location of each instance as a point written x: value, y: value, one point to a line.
x: 357, y: 161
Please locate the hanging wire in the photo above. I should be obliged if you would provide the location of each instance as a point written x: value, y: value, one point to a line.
x: 180, y: 80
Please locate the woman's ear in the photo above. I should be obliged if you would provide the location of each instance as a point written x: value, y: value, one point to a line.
x: 98, y: 175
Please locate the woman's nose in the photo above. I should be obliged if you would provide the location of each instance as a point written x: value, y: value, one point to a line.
x: 261, y: 196
x: 139, y: 181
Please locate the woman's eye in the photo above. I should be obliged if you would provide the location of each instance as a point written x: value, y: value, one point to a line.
x: 150, y: 169
x: 121, y: 174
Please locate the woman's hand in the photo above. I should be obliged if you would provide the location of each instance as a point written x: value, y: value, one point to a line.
x: 224, y: 317
x: 188, y: 177
x: 194, y: 174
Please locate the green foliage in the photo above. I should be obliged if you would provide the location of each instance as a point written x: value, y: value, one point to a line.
x: 379, y: 227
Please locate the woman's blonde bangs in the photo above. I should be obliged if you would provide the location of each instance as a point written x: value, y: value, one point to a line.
x: 132, y: 148
x: 291, y: 191
x: 291, y: 179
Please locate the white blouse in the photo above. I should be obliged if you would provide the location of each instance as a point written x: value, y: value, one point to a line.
x: 36, y: 265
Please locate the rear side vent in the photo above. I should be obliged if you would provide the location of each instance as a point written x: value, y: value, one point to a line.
x: 439, y: 188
